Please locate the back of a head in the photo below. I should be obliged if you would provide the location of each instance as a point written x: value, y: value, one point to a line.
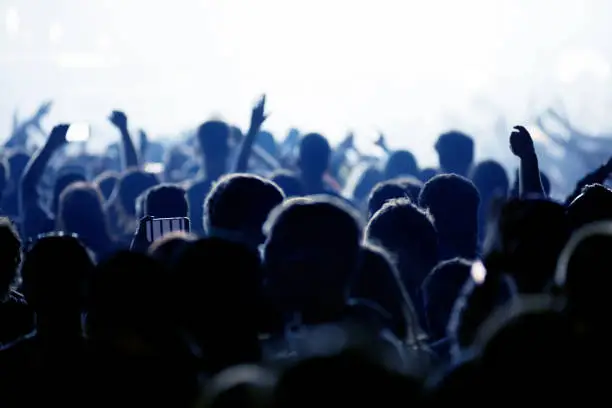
x: 131, y: 184
x: 61, y: 184
x: 213, y: 138
x: 491, y: 179
x: 242, y: 386
x: 81, y: 211
x: 129, y: 292
x: 288, y: 182
x: 456, y: 152
x: 238, y: 205
x: 313, y: 245
x: 408, y: 233
x: 401, y: 163
x: 107, y: 182
x: 315, y: 154
x: 440, y: 290
x: 10, y: 256
x: 169, y: 248
x: 385, y: 191
x: 56, y: 272
x: 361, y: 181
x: 166, y: 201
x: 594, y: 204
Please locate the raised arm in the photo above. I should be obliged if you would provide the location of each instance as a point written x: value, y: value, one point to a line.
x: 129, y: 154
x: 258, y: 117
x: 521, y: 145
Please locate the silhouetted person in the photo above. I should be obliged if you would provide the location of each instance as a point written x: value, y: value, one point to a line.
x: 403, y: 187
x: 16, y: 317
x: 492, y: 182
x: 440, y: 290
x: 107, y: 182
x: 401, y: 163
x: 409, y: 235
x: 50, y: 364
x: 592, y: 205
x: 453, y: 201
x: 455, y: 152
x: 169, y: 248
x: 166, y: 201
x: 314, y: 157
x: 81, y: 212
x: 213, y: 141
x: 237, y: 207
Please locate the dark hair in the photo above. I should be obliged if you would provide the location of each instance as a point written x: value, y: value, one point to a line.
x: 289, y: 182
x: 213, y: 137
x: 401, y: 163
x: 107, y: 182
x: 315, y: 153
x: 61, y: 184
x: 10, y: 256
x: 166, y: 201
x: 131, y: 184
x: 383, y: 192
x: 240, y: 203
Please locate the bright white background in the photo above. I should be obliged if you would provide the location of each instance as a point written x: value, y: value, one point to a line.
x: 409, y: 68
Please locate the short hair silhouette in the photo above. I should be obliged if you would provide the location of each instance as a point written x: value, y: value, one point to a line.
x: 593, y: 204
x: 402, y: 187
x: 170, y: 247
x: 440, y: 290
x: 455, y: 152
x: 401, y: 163
x: 213, y: 137
x: 61, y: 184
x: 490, y: 178
x: 311, y: 252
x: 289, y: 182
x: 107, y: 182
x: 453, y: 201
x: 246, y: 386
x: 131, y: 184
x: 314, y: 155
x: 56, y: 272
x: 166, y: 201
x: 238, y: 205
x: 408, y: 233
x: 10, y: 256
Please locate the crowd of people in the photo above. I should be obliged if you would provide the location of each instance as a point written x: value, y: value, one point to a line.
x: 306, y: 277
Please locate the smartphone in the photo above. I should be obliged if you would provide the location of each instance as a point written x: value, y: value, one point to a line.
x: 78, y: 132
x: 158, y: 227
x: 154, y: 167
x: 478, y: 272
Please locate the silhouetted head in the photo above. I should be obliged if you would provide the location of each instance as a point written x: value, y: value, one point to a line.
x: 491, y: 179
x: 245, y: 386
x: 427, y: 174
x: 404, y: 187
x: 378, y: 281
x: 401, y: 163
x: 311, y: 254
x: 219, y: 300
x: 10, y: 256
x: 170, y: 247
x: 440, y: 289
x: 81, y: 212
x: 131, y: 184
x: 455, y: 152
x: 361, y: 181
x: 56, y: 272
x: 289, y: 182
x: 238, y: 205
x: 61, y: 184
x: 453, y: 201
x: 106, y: 182
x: 267, y: 142
x: 525, y: 242
x: 315, y: 154
x: 214, y: 142
x: 166, y: 201
x: 129, y: 299
x: 5, y: 174
x: 583, y: 274
x: 409, y: 235
x: 593, y: 204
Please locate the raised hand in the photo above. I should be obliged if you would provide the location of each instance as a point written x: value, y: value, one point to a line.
x: 119, y: 119
x: 521, y: 143
x: 57, y: 138
x: 381, y: 141
x: 258, y: 114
